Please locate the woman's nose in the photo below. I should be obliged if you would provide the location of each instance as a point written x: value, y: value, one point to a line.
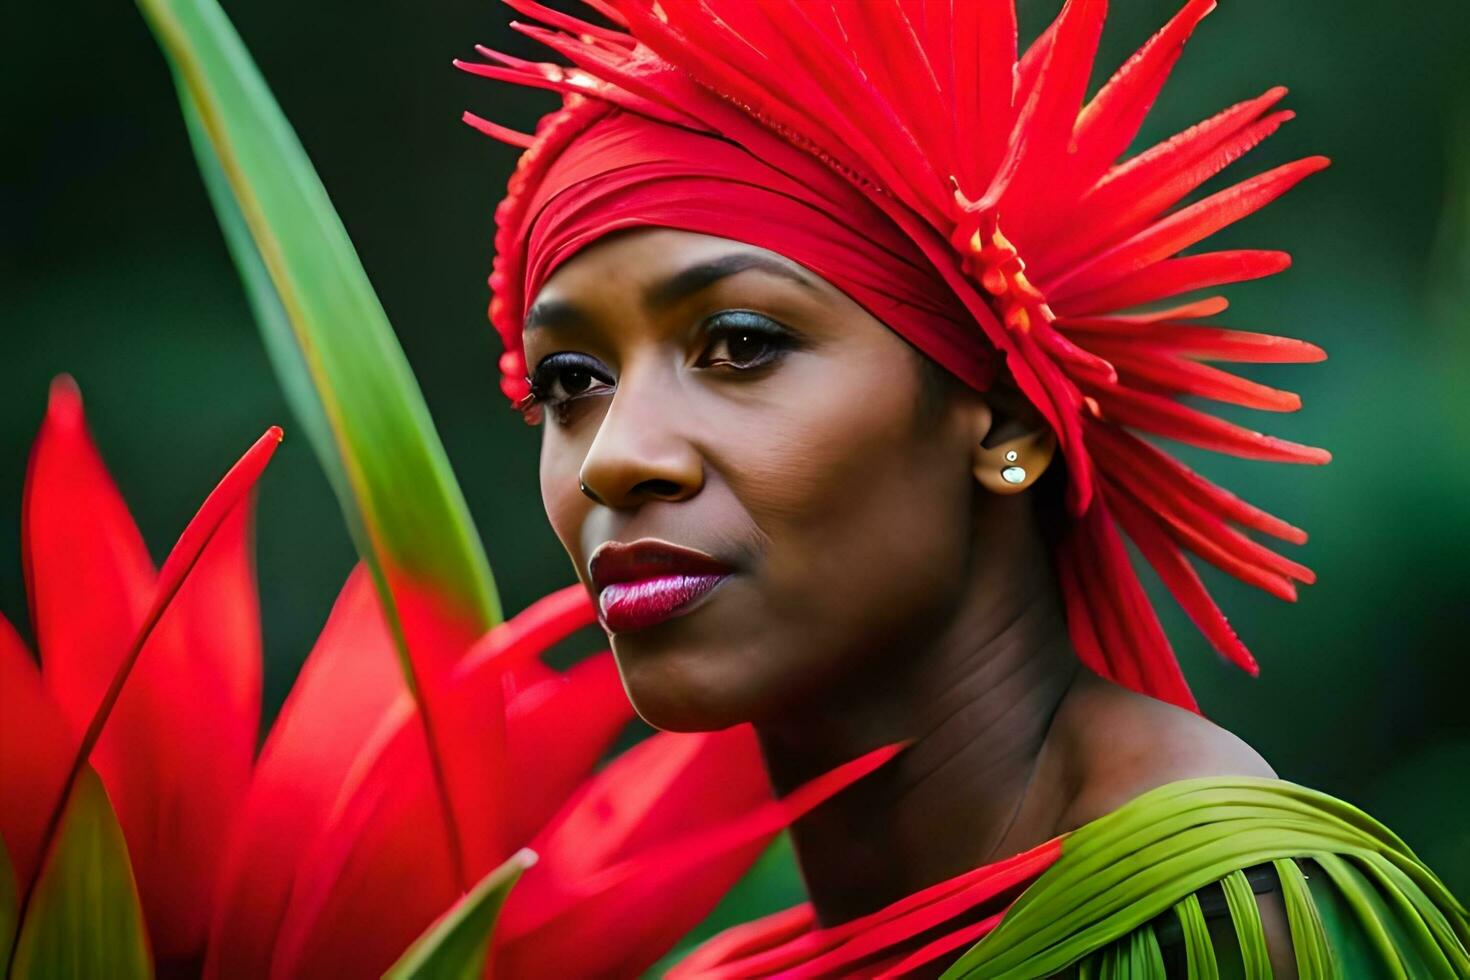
x: 640, y: 452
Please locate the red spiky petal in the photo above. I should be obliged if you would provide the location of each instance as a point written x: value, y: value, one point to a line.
x: 1180, y: 578
x: 1174, y: 276
x: 159, y: 675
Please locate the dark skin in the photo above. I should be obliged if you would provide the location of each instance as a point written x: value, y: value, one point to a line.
x: 889, y: 584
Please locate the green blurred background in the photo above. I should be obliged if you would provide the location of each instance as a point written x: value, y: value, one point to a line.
x: 112, y: 269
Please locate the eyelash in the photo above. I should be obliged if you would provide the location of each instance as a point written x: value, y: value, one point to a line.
x: 726, y: 326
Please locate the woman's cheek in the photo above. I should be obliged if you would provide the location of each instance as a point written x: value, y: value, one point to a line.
x: 817, y: 487
x: 810, y: 442
x: 561, y: 496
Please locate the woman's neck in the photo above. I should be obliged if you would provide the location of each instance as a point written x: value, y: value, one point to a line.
x: 976, y: 701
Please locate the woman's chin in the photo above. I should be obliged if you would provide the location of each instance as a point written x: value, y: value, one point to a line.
x: 678, y: 688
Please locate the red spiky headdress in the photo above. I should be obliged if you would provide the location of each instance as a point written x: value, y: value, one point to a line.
x: 1008, y: 180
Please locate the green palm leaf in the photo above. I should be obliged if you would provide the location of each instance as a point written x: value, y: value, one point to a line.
x: 347, y: 380
x: 1368, y: 907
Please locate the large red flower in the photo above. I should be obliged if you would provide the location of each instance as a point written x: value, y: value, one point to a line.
x: 328, y: 854
x: 175, y: 755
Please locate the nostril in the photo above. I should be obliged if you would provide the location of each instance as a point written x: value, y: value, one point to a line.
x: 662, y: 489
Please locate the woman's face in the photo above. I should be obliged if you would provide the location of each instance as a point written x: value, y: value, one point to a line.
x: 716, y: 397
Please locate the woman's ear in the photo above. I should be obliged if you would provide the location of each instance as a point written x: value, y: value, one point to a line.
x: 1013, y: 445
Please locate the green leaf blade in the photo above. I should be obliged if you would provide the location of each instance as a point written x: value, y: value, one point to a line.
x: 347, y: 379
x: 349, y: 382
x: 455, y: 946
x: 84, y: 918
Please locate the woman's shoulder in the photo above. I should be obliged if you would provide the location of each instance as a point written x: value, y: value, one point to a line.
x: 1182, y: 847
x: 1118, y: 745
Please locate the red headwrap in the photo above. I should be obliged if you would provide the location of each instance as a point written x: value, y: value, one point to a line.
x: 627, y: 170
x: 969, y: 198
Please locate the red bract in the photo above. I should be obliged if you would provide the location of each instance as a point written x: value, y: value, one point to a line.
x: 364, y: 864
x: 330, y: 854
x: 36, y: 747
x: 176, y: 752
x: 953, y: 914
x: 667, y: 826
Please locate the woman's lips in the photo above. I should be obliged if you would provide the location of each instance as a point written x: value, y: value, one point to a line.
x: 644, y: 583
x: 627, y: 606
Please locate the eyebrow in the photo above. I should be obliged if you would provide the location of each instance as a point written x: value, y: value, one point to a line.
x: 702, y: 275
x: 683, y: 284
x: 553, y: 313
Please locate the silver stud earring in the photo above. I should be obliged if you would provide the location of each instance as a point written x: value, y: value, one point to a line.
x: 1013, y: 474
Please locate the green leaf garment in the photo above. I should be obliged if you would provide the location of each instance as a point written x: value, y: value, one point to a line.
x: 1125, y: 896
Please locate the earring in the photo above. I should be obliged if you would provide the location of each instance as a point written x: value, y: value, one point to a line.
x: 1013, y: 474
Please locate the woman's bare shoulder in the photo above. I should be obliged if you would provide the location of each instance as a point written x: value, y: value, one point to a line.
x: 1120, y: 744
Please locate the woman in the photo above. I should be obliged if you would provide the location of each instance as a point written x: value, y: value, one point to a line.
x: 830, y: 314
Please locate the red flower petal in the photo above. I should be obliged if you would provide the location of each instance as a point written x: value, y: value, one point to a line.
x: 1180, y: 578
x: 556, y: 731
x: 565, y: 22
x: 350, y: 678
x: 1107, y: 125
x: 177, y: 754
x: 1143, y: 368
x: 1166, y: 417
x: 672, y: 823
x: 1144, y: 462
x: 1189, y: 340
x: 661, y: 789
x: 376, y: 875
x: 984, y: 57
x: 1105, y: 598
x: 1104, y: 129
x: 366, y: 863
x: 88, y: 574
x: 855, y: 947
x: 466, y: 739
x: 724, y: 954
x: 1180, y: 230
x: 379, y: 873
x: 1174, y: 276
x: 1135, y: 192
x: 1044, y: 126
x: 36, y: 750
x: 496, y: 131
x: 1195, y: 310
x: 1193, y: 524
x: 179, y: 729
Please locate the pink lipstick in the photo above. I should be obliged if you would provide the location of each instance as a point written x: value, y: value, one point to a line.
x: 649, y: 581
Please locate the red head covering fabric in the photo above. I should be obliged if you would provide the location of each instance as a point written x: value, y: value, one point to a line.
x: 627, y: 171
x: 970, y: 196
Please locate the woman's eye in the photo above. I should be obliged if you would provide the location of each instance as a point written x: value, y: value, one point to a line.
x: 566, y: 377
x: 744, y: 340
